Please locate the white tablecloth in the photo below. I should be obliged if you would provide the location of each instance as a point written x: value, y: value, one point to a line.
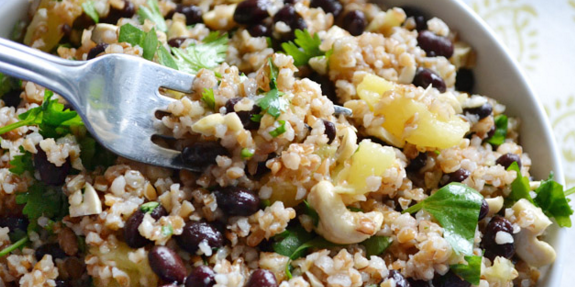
x: 541, y: 35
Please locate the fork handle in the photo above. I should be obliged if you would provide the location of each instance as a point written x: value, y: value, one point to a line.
x: 28, y: 64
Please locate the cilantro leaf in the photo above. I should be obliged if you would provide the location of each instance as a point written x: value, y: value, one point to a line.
x: 279, y: 130
x: 22, y: 163
x: 136, y: 37
x: 376, y: 245
x: 41, y: 200
x: 456, y: 208
x: 209, y: 98
x: 470, y: 272
x: 551, y: 199
x: 150, y: 44
x: 500, y: 133
x: 207, y: 55
x: 272, y: 102
x: 166, y: 59
x: 310, y: 211
x: 519, y: 187
x: 149, y: 206
x: 305, y: 47
x: 90, y: 10
x: 152, y: 13
x: 93, y: 154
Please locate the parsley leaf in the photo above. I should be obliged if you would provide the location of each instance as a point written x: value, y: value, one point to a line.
x: 500, y: 133
x: 376, y: 245
x: 166, y: 59
x: 150, y: 44
x: 305, y: 47
x: 90, y: 10
x: 93, y: 154
x: 551, y: 199
x: 456, y: 208
x: 149, y: 206
x: 519, y: 187
x: 207, y: 55
x: 208, y: 98
x: 470, y: 272
x: 22, y: 163
x: 43, y: 200
x: 279, y: 130
x: 136, y: 37
x: 152, y: 13
x: 272, y: 102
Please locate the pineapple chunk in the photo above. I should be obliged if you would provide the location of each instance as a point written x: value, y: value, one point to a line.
x: 371, y: 159
x: 285, y: 192
x: 384, y: 22
x: 371, y: 89
x: 139, y: 274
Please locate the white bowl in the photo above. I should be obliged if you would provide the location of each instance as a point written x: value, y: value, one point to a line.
x: 497, y: 75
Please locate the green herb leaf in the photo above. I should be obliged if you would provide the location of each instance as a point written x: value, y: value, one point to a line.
x: 207, y: 55
x: 456, y: 208
x: 279, y: 130
x: 354, y: 209
x: 90, y: 10
x: 500, y: 133
x: 272, y: 102
x: 519, y: 187
x: 570, y: 191
x: 288, y: 242
x: 22, y: 163
x: 152, y: 13
x: 7, y: 84
x: 209, y: 98
x: 247, y: 153
x: 551, y: 199
x: 18, y: 244
x: 305, y: 47
x: 166, y: 59
x: 150, y: 45
x: 470, y: 272
x: 376, y: 245
x: 148, y: 41
x: 256, y: 118
x: 41, y: 200
x: 310, y: 211
x: 93, y: 154
x: 149, y: 206
x: 131, y: 34
x: 167, y: 230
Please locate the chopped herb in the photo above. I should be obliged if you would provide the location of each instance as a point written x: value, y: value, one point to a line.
x: 81, y: 243
x: 166, y: 59
x: 207, y: 55
x: 519, y: 187
x: 7, y: 84
x: 354, y: 209
x: 18, y: 244
x: 437, y: 152
x: 50, y: 117
x: 551, y: 199
x: 256, y: 118
x: 149, y: 206
x: 470, y: 272
x: 22, y: 163
x: 90, y: 10
x: 93, y: 154
x: 500, y: 133
x: 208, y: 98
x: 167, y: 230
x: 310, y: 211
x: 152, y: 13
x: 136, y: 37
x: 279, y: 130
x: 41, y: 200
x: 570, y: 191
x: 265, y: 203
x: 456, y: 208
x: 376, y: 245
x: 305, y: 47
x: 150, y: 44
x: 272, y: 102
x: 247, y: 153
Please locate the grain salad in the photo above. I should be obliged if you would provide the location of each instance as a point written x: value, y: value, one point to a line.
x: 425, y: 183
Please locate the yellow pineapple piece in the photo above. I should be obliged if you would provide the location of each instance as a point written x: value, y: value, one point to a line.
x: 138, y: 273
x: 371, y: 89
x: 285, y: 192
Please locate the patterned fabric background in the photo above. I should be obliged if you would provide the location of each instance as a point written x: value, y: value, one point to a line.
x: 540, y: 35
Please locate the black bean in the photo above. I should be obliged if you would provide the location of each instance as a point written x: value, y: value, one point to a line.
x: 491, y: 132
x: 451, y: 279
x: 245, y: 116
x: 330, y: 131
x: 417, y: 163
x: 115, y: 14
x: 327, y: 86
x: 400, y: 281
x: 12, y: 98
x: 203, y: 154
x: 435, y: 45
x: 63, y: 283
x: 237, y: 200
x: 464, y: 80
x: 131, y: 234
x: 507, y: 159
x: 50, y: 249
x: 294, y: 20
x: 167, y: 264
x: 484, y: 209
x: 100, y: 48
x: 457, y: 176
x: 50, y: 173
x: 193, y: 13
x: 492, y: 249
x: 201, y: 276
x: 482, y: 111
x: 262, y: 278
x: 354, y: 22
x: 14, y: 223
x: 328, y: 6
x: 177, y: 42
x: 419, y: 283
x: 418, y: 17
x: 425, y: 77
x: 195, y: 232
x: 251, y: 12
x: 260, y: 30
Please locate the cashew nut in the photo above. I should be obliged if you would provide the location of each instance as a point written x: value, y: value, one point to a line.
x: 495, y: 204
x: 528, y: 247
x: 87, y: 204
x: 348, y: 145
x: 338, y: 224
x: 104, y: 33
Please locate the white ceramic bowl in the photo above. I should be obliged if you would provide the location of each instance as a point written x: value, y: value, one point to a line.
x: 497, y: 75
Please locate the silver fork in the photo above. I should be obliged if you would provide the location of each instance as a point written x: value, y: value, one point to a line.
x: 115, y: 95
